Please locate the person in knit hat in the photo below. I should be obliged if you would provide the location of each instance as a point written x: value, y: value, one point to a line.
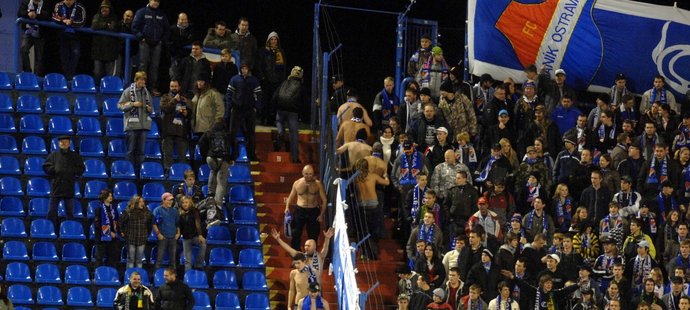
x: 433, y: 72
x: 270, y: 69
x: 104, y: 50
x: 287, y: 100
x: 567, y: 160
x: 420, y: 56
x: 439, y: 298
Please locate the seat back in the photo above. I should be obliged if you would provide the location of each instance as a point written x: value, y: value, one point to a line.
x: 74, y: 252
x: 10, y: 186
x: 49, y: 295
x: 55, y: 83
x: 227, y: 301
x: 114, y: 127
x: 27, y: 81
x: 244, y: 216
x: 57, y: 105
x: 117, y: 148
x: 251, y: 258
x: 153, y: 191
x: 38, y: 187
x: 60, y: 125
x: 7, y: 124
x: 44, y: 251
x: 241, y: 194
x: 105, y: 297
x: 247, y: 235
x: 48, y: 273
x: 256, y: 301
x: 219, y: 235
x: 254, y: 281
x: 31, y: 124
x: 85, y: 106
x: 43, y: 229
x: 38, y: 207
x: 9, y: 165
x: 8, y: 145
x: 20, y: 294
x: 32, y: 145
x: 77, y: 274
x: 13, y: 227
x: 18, y: 272
x: 124, y: 190
x: 29, y: 104
x: 84, y: 84
x: 122, y: 169
x: 201, y: 300
x: 95, y: 168
x: 111, y: 85
x: 72, y: 230
x: 11, y: 206
x: 221, y: 257
x: 196, y: 279
x: 152, y: 149
x: 225, y: 280
x: 152, y: 171
x: 93, y: 188
x: 177, y: 171
x: 6, y: 81
x: 79, y: 297
x: 33, y: 166
x: 91, y: 147
x: 15, y: 250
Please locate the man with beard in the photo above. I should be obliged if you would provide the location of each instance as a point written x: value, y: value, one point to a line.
x: 542, y: 127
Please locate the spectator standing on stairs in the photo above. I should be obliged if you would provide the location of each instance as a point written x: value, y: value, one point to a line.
x: 314, y: 300
x: 300, y: 279
x: 189, y: 188
x: 63, y: 167
x: 215, y: 147
x: 308, y: 210
x: 314, y: 258
x: 243, y: 99
x: 136, y: 104
x: 174, y: 125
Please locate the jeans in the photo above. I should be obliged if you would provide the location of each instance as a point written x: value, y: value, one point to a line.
x: 70, y: 50
x: 291, y: 118
x: 29, y: 41
x: 246, y: 120
x: 181, y: 143
x: 150, y: 58
x: 136, y: 142
x: 218, y: 178
x: 305, y: 217
x: 169, y: 244
x: 53, y: 210
x: 135, y: 255
x: 101, y: 68
x: 200, y: 256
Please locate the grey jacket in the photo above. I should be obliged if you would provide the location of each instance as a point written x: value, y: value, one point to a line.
x: 135, y: 118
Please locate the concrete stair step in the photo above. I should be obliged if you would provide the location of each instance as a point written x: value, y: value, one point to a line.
x: 271, y: 197
x: 272, y: 187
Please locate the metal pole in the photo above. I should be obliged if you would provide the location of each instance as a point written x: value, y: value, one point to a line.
x: 17, y: 48
x: 324, y: 113
x: 466, y: 63
x: 315, y: 69
x: 128, y: 66
x: 399, y: 54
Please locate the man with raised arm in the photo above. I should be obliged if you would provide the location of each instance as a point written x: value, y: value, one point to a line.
x: 308, y: 211
x: 314, y: 258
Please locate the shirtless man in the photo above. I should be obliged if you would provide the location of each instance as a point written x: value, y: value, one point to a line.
x: 314, y: 258
x: 356, y: 150
x: 300, y: 278
x: 308, y: 211
x: 348, y: 131
x: 345, y: 112
x: 313, y: 301
x: 368, y: 204
x: 376, y: 164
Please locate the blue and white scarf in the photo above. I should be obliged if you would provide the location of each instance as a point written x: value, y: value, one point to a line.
x: 388, y: 104
x: 312, y: 274
x: 661, y: 200
x: 407, y: 173
x: 657, y: 178
x: 544, y: 222
x: 485, y: 173
x: 426, y: 233
x: 416, y: 203
x: 134, y: 112
x: 662, y: 96
x: 306, y: 303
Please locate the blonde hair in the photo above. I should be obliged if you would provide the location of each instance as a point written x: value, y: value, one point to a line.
x: 140, y: 75
x: 389, y: 79
x: 183, y: 199
x: 225, y: 51
x: 463, y: 136
x: 134, y: 202
x: 559, y: 187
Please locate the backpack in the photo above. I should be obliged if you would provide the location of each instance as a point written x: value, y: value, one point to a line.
x: 218, y: 147
x: 211, y: 213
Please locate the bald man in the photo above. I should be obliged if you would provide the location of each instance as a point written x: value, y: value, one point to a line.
x: 314, y: 258
x: 444, y: 175
x: 310, y: 205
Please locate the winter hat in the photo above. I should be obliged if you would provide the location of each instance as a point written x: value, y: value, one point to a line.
x: 570, y: 139
x: 426, y: 36
x: 530, y: 149
x: 503, y: 112
x: 440, y: 293
x: 486, y: 78
x: 204, y: 76
x: 516, y: 217
x: 442, y: 129
x: 488, y: 253
x: 297, y: 72
x: 447, y: 86
x: 604, y: 97
x: 425, y: 91
x: 271, y: 35
x: 455, y: 71
x: 529, y: 83
x: 437, y: 50
x: 106, y: 4
x: 620, y: 76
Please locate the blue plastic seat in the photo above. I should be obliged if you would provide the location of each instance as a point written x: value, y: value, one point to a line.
x: 8, y: 145
x: 201, y: 300
x: 196, y: 279
x: 177, y: 171
x: 110, y: 108
x: 122, y: 169
x: 49, y: 295
x: 204, y: 172
x: 60, y: 125
x: 89, y: 126
x: 27, y: 81
x: 48, y: 273
x: 83, y: 84
x: 7, y: 124
x: 77, y: 191
x: 111, y: 85
x: 93, y: 188
x: 78, y: 211
x: 152, y: 150
x: 124, y: 190
x: 95, y: 168
x: 254, y: 281
x: 141, y: 271
x: 244, y: 216
x: 241, y: 194
x: 91, y: 208
x: 219, y: 235
x: 42, y: 229
x: 158, y: 277
x: 153, y: 133
x: 247, y: 235
x: 91, y: 147
x: 74, y: 252
x: 197, y: 153
x: 122, y: 206
x: 240, y: 174
x: 6, y: 103
x: 152, y: 171
x: 32, y: 145
x: 86, y: 106
x: 38, y: 187
x: 20, y: 294
x: 227, y: 301
x: 250, y: 258
x: 13, y: 227
x: 225, y: 280
x: 156, y: 107
x: 29, y: 124
x: 72, y: 230
x: 10, y: 186
x: 221, y: 257
x: 79, y: 297
x: 114, y: 127
x: 11, y: 206
x: 9, y: 165
x: 55, y: 83
x: 257, y: 301
x: 44, y: 252
x: 33, y: 166
x: 6, y: 81
x: 117, y: 148
x: 77, y: 274
x: 105, y: 297
x: 57, y: 105
x: 242, y: 154
x: 29, y: 104
x: 18, y: 272
x: 15, y: 251
x: 152, y: 191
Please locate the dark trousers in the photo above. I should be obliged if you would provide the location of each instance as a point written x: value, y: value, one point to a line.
x: 174, y: 141
x: 170, y: 245
x: 373, y: 217
x: 70, y: 50
x: 110, y: 250
x: 37, y: 43
x: 268, y: 113
x: 136, y: 143
x: 305, y: 217
x: 247, y: 121
x: 53, y: 211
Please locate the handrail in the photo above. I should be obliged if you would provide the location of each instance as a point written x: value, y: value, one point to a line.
x: 18, y: 40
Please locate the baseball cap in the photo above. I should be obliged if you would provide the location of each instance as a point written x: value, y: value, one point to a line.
x: 560, y: 71
x: 314, y: 287
x: 643, y: 243
x: 554, y: 257
x: 531, y: 149
x: 488, y: 252
x: 503, y: 112
x: 441, y: 129
x: 407, y: 144
x: 166, y: 195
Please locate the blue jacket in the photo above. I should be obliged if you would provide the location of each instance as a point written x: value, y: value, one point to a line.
x: 565, y: 118
x: 244, y: 93
x: 151, y: 24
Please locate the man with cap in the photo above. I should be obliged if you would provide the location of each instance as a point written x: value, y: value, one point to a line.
x: 532, y: 165
x: 672, y: 299
x: 567, y: 160
x: 531, y: 188
x: 439, y: 298
x: 587, y: 283
x: 166, y: 220
x: 603, y: 265
x: 433, y: 72
x: 243, y: 99
x: 524, y: 107
x: 207, y: 105
x: 420, y: 56
x: 486, y: 274
x: 553, y: 270
x: 640, y: 266
x: 444, y: 174
x: 191, y: 68
x: 583, y: 135
x: 63, y: 166
x: 457, y: 110
x: 436, y: 153
x: 499, y: 131
x: 104, y: 49
x: 586, y: 300
x: 488, y: 219
x: 497, y: 104
x: 635, y: 237
x: 409, y: 163
x: 493, y: 167
x: 554, y: 90
x: 314, y: 300
x: 407, y: 279
x: 619, y: 89
x: 660, y: 94
x: 386, y: 104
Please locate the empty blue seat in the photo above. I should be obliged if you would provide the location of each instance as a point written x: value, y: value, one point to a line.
x: 111, y: 85
x: 11, y: 206
x: 152, y: 149
x: 57, y: 105
x: 48, y: 273
x: 55, y: 144
x: 201, y: 300
x: 219, y: 235
x: 254, y: 281
x: 152, y: 171
x: 77, y: 192
x: 225, y: 280
x: 29, y: 104
x: 78, y: 211
x: 38, y: 187
x: 79, y: 297
x: 158, y: 277
x: 74, y: 252
x: 49, y: 295
x: 15, y: 250
x: 196, y: 279
x: 240, y: 174
x: 141, y: 271
x: 31, y: 124
x: 27, y: 81
x: 204, y: 172
x: 60, y: 125
x: 93, y: 188
x: 72, y: 230
x: 122, y: 169
x: 13, y: 227
x: 244, y: 216
x: 7, y: 124
x: 55, y: 83
x: 242, y: 154
x: 42, y: 229
x: 18, y: 272
x: 20, y: 294
x: 221, y: 257
x: 110, y: 108
x: 117, y: 148
x: 9, y: 165
x: 257, y: 301
x: 153, y: 133
x: 89, y: 126
x: 10, y: 186
x: 44, y: 252
x: 91, y: 208
x: 83, y: 84
x: 77, y: 274
x: 106, y: 276
x: 6, y: 104
x: 156, y: 107
x: 152, y: 191
x: 8, y: 145
x: 32, y: 145
x: 33, y: 166
x: 227, y: 301
x: 114, y: 127
x: 6, y: 81
x: 122, y: 206
x: 95, y: 168
x: 124, y: 190
x: 241, y: 194
x: 91, y: 147
x: 247, y: 235
x: 86, y: 106
x: 250, y: 258
x: 177, y: 171
x: 105, y: 297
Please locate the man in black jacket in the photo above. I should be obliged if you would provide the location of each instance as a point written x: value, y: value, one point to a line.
x: 214, y: 146
x: 63, y: 167
x: 459, y: 202
x: 32, y: 37
x: 288, y: 99
x: 191, y: 68
x: 173, y: 295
